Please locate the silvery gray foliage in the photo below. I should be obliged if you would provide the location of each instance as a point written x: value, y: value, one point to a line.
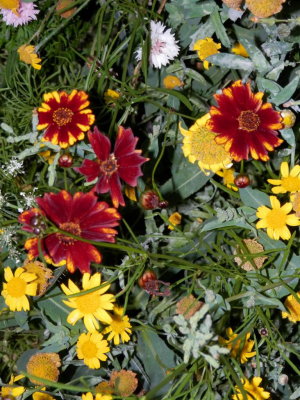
x: 199, y: 338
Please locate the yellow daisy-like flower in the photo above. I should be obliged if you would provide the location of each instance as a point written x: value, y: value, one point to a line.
x: 276, y: 219
x: 42, y: 395
x: 43, y: 274
x: 241, y: 349
x: 99, y: 396
x: 17, y: 287
x: 171, y: 82
x: 12, y: 5
x: 15, y: 391
x: 199, y: 145
x: 28, y: 55
x: 290, y: 179
x: 119, y: 328
x: 295, y: 199
x: 239, y: 50
x: 228, y: 178
x: 111, y: 96
x: 91, y: 349
x: 253, y: 389
x: 174, y: 219
x: 90, y: 306
x: 45, y: 366
x: 265, y: 8
x: 205, y: 48
x: 293, y: 307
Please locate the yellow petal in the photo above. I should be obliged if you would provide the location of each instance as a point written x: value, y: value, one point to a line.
x: 284, y: 169
x: 274, y: 202
x: 295, y: 171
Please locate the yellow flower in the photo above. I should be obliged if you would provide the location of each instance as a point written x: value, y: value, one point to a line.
x: 289, y: 118
x: 111, y: 96
x: 43, y: 274
x: 99, y: 396
x: 199, y: 145
x: 171, y: 82
x: 252, y: 247
x: 228, y: 178
x: 119, y: 327
x: 45, y: 366
x: 14, y: 391
x: 238, y: 348
x: 295, y: 199
x: 290, y: 180
x: 42, y: 395
x: 264, y: 8
x: 235, y: 4
x: 239, y: 50
x: 12, y: 5
x: 17, y: 287
x: 27, y: 55
x: 276, y: 219
x: 174, y: 219
x: 253, y: 389
x: 205, y: 48
x: 293, y: 307
x: 91, y: 349
x: 90, y: 306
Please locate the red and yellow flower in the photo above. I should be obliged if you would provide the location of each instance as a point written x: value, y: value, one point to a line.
x: 244, y: 123
x: 65, y: 117
x: 124, y: 163
x: 79, y: 215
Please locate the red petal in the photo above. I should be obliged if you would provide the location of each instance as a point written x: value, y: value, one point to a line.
x: 83, y: 205
x: 116, y: 191
x: 57, y: 207
x: 129, y: 168
x: 54, y: 248
x: 268, y: 117
x: 100, y: 143
x: 89, y: 168
x: 81, y: 255
x: 125, y: 142
x: 103, y: 184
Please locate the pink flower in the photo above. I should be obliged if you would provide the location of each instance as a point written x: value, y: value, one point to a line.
x: 26, y: 13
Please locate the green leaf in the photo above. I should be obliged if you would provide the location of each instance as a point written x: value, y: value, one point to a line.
x: 267, y: 85
x: 214, y: 223
x: 289, y: 136
x: 254, y: 198
x: 177, y: 94
x: 257, y: 56
x: 196, y: 77
x: 286, y: 93
x: 219, y: 29
x: 231, y: 61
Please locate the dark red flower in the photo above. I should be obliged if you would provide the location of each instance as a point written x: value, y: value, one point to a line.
x: 80, y: 215
x: 244, y: 123
x: 124, y: 163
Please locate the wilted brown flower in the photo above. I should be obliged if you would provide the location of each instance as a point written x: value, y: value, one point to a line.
x: 188, y: 306
x: 45, y: 366
x: 264, y: 8
x: 124, y: 382
x: 253, y: 247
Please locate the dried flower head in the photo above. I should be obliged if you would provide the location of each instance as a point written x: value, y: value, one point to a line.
x: 188, y: 306
x: 235, y: 4
x: 295, y: 199
x: 43, y: 274
x: 124, y: 382
x: 265, y: 8
x: 64, y: 4
x: 45, y: 366
x: 253, y: 247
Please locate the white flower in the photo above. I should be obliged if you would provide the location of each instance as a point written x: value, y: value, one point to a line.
x: 163, y: 46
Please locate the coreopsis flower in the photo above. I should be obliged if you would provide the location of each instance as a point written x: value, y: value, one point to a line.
x: 12, y: 5
x: 19, y: 285
x: 290, y: 179
x: 15, y: 391
x: 164, y: 47
x: 293, y: 306
x: 45, y: 366
x: 228, y: 178
x: 124, y: 163
x: 91, y: 349
x: 244, y: 123
x: 252, y: 247
x: 254, y: 391
x: 124, y: 382
x: 43, y: 274
x: 171, y: 82
x: 239, y: 50
x: 28, y: 55
x: 99, y: 396
x: 119, y: 327
x: 174, y: 219
x: 188, y: 306
x: 239, y: 348
x: 265, y: 8
x: 205, y: 48
x: 80, y: 215
x: 65, y: 117
x: 25, y: 13
x: 42, y: 395
x: 92, y: 307
x: 199, y: 145
x: 276, y: 219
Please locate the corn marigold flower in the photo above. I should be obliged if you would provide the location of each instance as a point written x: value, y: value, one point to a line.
x: 124, y: 163
x: 90, y: 306
x: 266, y: 8
x: 199, y: 145
x: 28, y: 55
x: 42, y: 273
x: 19, y: 285
x: 164, y: 47
x: 205, y: 48
x: 228, y: 178
x: 244, y: 123
x: 42, y: 395
x: 124, y: 382
x: 99, y: 396
x: 171, y: 82
x: 174, y: 219
x: 240, y: 50
x: 252, y: 247
x: 91, y: 349
x: 119, y: 327
x: 239, y: 348
x: 25, y: 13
x: 254, y: 391
x: 45, y: 366
x: 293, y: 306
x: 80, y: 215
x: 15, y: 391
x: 276, y: 219
x: 290, y: 179
x: 188, y: 306
x: 65, y: 117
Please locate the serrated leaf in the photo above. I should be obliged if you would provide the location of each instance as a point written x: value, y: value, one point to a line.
x: 254, y: 198
x: 231, y: 61
x: 286, y: 93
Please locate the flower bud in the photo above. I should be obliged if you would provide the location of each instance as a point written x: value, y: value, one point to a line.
x: 65, y: 161
x: 283, y: 379
x: 149, y: 200
x: 242, y: 181
x: 147, y: 276
x: 289, y: 118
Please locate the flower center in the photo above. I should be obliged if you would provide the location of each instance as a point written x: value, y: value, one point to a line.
x: 276, y: 219
x: 157, y: 47
x: 248, y: 121
x: 62, y: 116
x: 291, y: 183
x: 89, y: 349
x: 109, y: 166
x: 16, y: 287
x: 88, y: 303
x: 69, y: 227
x: 117, y: 324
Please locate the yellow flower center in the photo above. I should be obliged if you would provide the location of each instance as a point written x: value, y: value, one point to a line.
x: 109, y: 166
x: 88, y: 303
x: 62, y: 116
x: 248, y: 121
x: 291, y: 183
x: 16, y: 287
x: 117, y: 324
x: 276, y: 219
x: 89, y: 349
x: 69, y: 227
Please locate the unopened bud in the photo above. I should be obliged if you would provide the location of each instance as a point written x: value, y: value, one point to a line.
x: 283, y: 379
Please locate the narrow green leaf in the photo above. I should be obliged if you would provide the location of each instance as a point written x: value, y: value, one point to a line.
x: 286, y: 93
x: 220, y: 29
x: 177, y: 94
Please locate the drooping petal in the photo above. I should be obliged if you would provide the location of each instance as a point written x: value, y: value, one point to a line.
x: 100, y: 143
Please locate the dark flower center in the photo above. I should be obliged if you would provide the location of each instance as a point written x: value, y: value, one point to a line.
x: 248, y: 121
x: 69, y: 227
x: 109, y: 166
x: 62, y: 116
